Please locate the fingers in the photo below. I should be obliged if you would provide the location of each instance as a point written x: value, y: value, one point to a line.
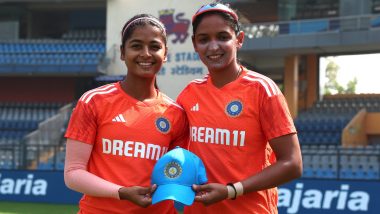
x: 144, y: 198
x: 146, y: 201
x: 204, y: 198
x: 199, y: 188
x: 144, y: 190
x: 201, y: 193
x: 153, y: 188
x: 199, y: 198
x: 141, y: 196
x: 195, y: 187
x: 210, y: 193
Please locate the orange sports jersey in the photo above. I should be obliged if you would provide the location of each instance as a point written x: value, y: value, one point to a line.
x: 229, y: 130
x: 128, y: 137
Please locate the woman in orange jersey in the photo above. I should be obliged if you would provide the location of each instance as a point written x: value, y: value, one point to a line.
x: 118, y: 131
x: 236, y: 117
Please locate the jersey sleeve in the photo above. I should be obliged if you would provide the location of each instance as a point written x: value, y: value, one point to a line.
x: 181, y: 95
x: 275, y: 117
x: 82, y: 126
x: 181, y: 131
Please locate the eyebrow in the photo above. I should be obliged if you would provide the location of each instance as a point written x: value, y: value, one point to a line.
x: 218, y: 33
x: 140, y: 41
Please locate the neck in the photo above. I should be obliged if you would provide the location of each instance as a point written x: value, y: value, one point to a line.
x: 140, y: 89
x: 224, y: 76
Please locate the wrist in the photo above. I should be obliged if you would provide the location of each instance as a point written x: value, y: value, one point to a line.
x: 231, y: 191
x: 123, y: 193
x: 239, y: 188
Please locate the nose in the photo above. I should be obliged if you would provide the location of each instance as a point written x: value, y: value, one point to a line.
x: 145, y: 52
x: 213, y: 45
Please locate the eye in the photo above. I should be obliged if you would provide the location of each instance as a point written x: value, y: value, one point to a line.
x: 224, y: 37
x: 135, y: 46
x: 202, y: 40
x: 155, y: 47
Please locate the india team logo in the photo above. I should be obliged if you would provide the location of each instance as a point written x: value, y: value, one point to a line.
x: 234, y: 108
x: 163, y: 125
x: 173, y: 170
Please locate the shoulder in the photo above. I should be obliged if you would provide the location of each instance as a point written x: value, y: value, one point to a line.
x: 262, y: 82
x: 99, y: 93
x: 198, y: 82
x: 170, y: 102
x: 193, y: 85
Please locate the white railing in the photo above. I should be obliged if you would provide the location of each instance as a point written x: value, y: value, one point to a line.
x: 45, y: 141
x: 312, y: 26
x: 109, y: 59
x: 49, y: 132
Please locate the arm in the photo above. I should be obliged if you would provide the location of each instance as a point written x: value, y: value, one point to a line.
x: 79, y: 179
x: 287, y: 167
x: 277, y: 125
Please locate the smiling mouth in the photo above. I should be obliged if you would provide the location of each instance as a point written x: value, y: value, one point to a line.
x: 145, y: 64
x: 215, y: 56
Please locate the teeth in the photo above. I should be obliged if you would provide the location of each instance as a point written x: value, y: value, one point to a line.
x: 145, y: 63
x: 214, y: 56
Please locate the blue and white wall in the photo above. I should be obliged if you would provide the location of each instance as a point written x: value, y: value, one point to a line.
x: 183, y: 63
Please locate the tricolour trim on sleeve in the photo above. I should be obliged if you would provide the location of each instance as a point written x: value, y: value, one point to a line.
x: 171, y: 102
x: 200, y: 81
x: 268, y: 84
x: 86, y: 97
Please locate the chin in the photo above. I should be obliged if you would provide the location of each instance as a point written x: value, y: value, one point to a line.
x: 215, y: 67
x: 149, y: 74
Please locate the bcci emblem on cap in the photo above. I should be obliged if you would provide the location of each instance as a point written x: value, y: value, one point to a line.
x: 234, y: 108
x: 163, y: 125
x: 175, y: 173
x: 173, y: 170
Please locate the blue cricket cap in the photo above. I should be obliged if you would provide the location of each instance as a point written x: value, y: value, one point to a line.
x: 175, y: 173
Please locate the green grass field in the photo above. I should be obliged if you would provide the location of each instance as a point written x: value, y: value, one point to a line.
x: 36, y: 208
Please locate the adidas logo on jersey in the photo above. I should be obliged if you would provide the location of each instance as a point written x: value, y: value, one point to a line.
x: 195, y: 107
x: 119, y: 118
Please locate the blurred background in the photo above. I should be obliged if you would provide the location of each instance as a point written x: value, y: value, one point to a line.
x: 323, y: 54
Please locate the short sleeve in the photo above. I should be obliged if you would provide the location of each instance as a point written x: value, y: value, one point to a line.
x: 82, y: 126
x: 275, y: 117
x: 180, y: 97
x: 181, y: 131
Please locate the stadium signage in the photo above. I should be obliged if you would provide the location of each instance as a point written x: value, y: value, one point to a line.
x: 36, y: 186
x: 329, y: 196
x: 341, y: 199
x: 24, y: 186
x: 299, y: 196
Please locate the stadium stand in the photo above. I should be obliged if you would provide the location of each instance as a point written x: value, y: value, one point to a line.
x: 50, y: 56
x: 65, y: 53
x: 53, y: 51
x: 320, y: 131
x: 17, y: 120
x: 85, y: 34
x: 31, y: 134
x: 337, y: 162
x: 46, y: 145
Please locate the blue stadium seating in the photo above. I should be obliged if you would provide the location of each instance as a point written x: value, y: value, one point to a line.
x: 375, y: 22
x: 336, y: 162
x: 46, y: 56
x: 18, y: 119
